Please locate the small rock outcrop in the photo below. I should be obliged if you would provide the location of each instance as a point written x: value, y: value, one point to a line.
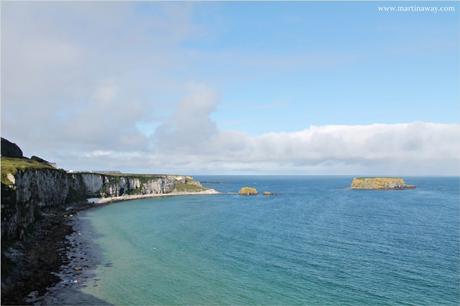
x: 267, y: 193
x: 248, y: 191
x: 380, y: 183
x: 40, y: 160
x: 10, y: 149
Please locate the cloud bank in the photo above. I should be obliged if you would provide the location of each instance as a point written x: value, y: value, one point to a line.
x: 385, y: 149
x: 190, y: 141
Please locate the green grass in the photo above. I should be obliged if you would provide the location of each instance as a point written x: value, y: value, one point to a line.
x: 182, y: 187
x: 117, y: 175
x: 12, y: 165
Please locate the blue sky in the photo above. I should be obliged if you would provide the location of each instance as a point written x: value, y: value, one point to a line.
x: 244, y: 87
x: 328, y: 63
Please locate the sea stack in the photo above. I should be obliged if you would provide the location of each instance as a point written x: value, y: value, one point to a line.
x: 380, y: 183
x: 248, y: 191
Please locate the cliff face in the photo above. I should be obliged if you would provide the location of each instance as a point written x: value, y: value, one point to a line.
x: 380, y: 183
x: 32, y: 193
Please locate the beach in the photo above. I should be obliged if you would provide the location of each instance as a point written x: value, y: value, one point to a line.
x: 146, y: 196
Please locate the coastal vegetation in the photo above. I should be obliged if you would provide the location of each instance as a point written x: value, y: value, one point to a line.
x: 188, y: 187
x: 10, y: 165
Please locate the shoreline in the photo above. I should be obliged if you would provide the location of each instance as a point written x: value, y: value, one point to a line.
x: 56, y: 255
x: 83, y: 257
x: 37, y: 260
x: 107, y: 200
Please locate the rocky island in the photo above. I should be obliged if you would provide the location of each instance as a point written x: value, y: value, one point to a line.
x: 248, y: 191
x: 380, y: 183
x: 37, y: 199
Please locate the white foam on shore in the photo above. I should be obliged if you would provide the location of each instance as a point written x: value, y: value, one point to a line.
x: 152, y: 195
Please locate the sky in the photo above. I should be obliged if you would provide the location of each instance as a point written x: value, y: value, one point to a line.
x: 233, y: 88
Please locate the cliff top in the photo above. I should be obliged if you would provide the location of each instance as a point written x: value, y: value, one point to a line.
x: 12, y: 160
x: 10, y: 165
x: 123, y: 174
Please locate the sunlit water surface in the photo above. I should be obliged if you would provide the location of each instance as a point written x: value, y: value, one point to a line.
x: 315, y: 242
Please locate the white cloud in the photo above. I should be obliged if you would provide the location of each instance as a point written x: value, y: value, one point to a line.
x: 82, y: 75
x: 190, y: 125
x: 191, y: 137
x: 390, y: 148
x: 82, y: 88
x: 189, y: 141
x: 380, y: 149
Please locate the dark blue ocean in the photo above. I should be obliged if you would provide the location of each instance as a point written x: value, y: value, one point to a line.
x: 315, y: 242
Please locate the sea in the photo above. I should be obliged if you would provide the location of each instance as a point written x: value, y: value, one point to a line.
x: 314, y: 241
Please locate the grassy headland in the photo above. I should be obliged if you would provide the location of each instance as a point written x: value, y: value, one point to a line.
x: 10, y: 165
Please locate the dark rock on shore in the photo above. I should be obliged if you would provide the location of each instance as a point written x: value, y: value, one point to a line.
x: 30, y: 264
x: 10, y: 149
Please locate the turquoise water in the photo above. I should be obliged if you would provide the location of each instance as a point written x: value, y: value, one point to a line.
x: 315, y: 242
